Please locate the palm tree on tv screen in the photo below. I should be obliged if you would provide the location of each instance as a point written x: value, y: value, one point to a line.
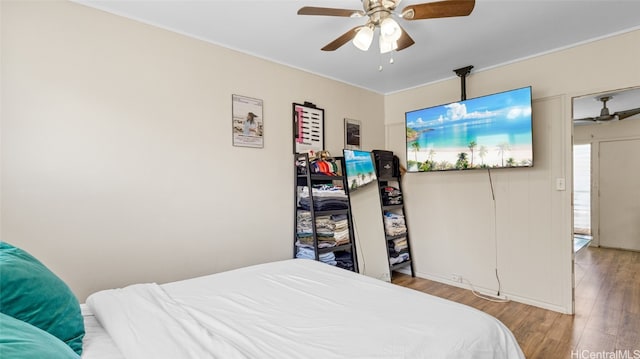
x: 416, y: 148
x: 482, y: 152
x: 503, y: 147
x: 472, y: 146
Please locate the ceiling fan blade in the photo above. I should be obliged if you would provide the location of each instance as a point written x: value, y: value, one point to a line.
x: 628, y: 113
x: 327, y: 11
x: 404, y: 41
x: 584, y: 122
x: 341, y: 40
x: 586, y: 119
x: 438, y: 9
x: 606, y: 118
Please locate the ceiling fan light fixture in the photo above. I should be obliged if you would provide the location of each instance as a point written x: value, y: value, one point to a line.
x: 363, y: 38
x: 390, y: 29
x: 387, y: 44
x: 390, y: 4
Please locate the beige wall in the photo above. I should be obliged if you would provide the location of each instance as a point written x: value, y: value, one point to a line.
x: 117, y: 161
x: 451, y: 215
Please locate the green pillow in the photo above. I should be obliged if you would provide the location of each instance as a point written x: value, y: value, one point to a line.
x: 33, y: 294
x: 20, y: 340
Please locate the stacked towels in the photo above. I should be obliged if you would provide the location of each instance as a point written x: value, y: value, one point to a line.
x: 344, y: 260
x: 309, y: 253
x: 394, y: 224
x: 390, y: 196
x: 331, y: 230
x: 326, y: 197
x: 398, y: 250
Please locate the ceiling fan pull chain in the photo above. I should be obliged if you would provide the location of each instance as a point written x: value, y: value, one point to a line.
x: 391, y: 61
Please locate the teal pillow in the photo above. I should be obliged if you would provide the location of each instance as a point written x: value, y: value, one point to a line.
x: 33, y: 294
x: 20, y: 340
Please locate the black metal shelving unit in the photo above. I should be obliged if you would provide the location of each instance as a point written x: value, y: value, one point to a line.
x: 306, y: 178
x: 388, y: 177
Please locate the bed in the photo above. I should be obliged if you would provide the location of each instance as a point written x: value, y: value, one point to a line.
x: 295, y: 308
x: 97, y: 344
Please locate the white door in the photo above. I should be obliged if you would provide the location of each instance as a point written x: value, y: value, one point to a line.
x: 619, y: 180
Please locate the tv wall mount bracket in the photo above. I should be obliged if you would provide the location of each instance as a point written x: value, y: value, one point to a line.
x: 462, y: 73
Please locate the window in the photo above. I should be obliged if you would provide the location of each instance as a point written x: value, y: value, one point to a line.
x: 582, y: 189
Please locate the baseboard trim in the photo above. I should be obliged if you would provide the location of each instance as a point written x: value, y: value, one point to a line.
x: 491, y: 292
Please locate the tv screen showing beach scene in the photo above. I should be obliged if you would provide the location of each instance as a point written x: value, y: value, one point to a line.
x: 493, y: 131
x: 359, y: 167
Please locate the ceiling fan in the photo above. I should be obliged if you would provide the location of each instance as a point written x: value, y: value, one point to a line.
x: 605, y: 116
x: 381, y: 15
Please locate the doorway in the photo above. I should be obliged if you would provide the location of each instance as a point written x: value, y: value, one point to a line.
x: 608, y: 123
x: 612, y: 132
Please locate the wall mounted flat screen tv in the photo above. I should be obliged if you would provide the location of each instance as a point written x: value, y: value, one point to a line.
x: 493, y: 131
x: 359, y: 167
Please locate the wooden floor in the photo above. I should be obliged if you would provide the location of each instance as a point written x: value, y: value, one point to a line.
x: 607, y: 309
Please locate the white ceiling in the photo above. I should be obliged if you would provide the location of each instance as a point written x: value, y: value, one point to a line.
x: 496, y: 32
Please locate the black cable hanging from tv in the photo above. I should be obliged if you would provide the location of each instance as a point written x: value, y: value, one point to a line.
x: 462, y: 73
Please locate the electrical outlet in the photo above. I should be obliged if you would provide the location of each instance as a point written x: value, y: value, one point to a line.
x: 456, y: 278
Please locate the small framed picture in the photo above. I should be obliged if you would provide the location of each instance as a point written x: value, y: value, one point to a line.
x: 247, y: 122
x: 352, y: 134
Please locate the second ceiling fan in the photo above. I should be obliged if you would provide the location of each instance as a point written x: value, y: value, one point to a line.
x: 381, y: 15
x: 606, y: 116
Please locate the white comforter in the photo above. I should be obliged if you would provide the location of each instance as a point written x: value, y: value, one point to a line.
x: 294, y: 309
